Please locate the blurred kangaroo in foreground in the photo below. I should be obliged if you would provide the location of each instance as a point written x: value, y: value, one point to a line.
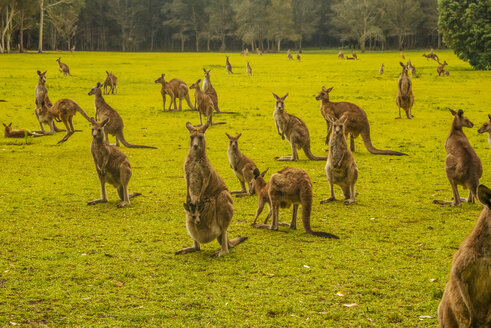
x: 111, y: 81
x: 43, y: 106
x: 462, y: 164
x: 356, y: 124
x: 405, y: 98
x: 111, y: 164
x: 209, y: 205
x: 209, y: 90
x: 249, y: 69
x: 228, y: 66
x: 441, y: 68
x: 63, y: 68
x: 203, y: 104
x: 294, y: 130
x: 466, y: 301
x: 10, y: 133
x: 175, y: 88
x: 341, y: 168
x: 290, y: 186
x: 242, y: 165
x: 115, y: 125
x: 486, y: 127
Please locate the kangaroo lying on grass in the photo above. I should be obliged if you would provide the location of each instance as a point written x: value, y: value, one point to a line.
x: 466, y: 301
x: 462, y: 164
x: 228, y: 66
x: 115, y: 124
x: 111, y: 81
x: 175, y: 88
x: 405, y: 98
x: 295, y: 131
x: 290, y: 186
x: 341, y: 168
x: 356, y: 124
x: 63, y: 68
x: 203, y: 103
x: 111, y: 164
x: 242, y: 165
x: 486, y: 127
x: 9, y: 133
x: 43, y: 106
x: 209, y: 205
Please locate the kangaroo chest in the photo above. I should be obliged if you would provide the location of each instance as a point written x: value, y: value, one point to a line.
x: 281, y: 120
x: 196, y: 174
x: 489, y: 139
x: 206, y: 85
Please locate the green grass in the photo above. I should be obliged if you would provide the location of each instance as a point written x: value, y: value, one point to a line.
x: 60, y: 259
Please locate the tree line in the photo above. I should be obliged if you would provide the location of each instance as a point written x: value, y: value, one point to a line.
x: 216, y: 25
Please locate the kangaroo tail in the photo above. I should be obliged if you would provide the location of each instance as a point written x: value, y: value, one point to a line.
x: 311, y: 156
x: 127, y: 144
x: 368, y: 145
x: 306, y: 211
x: 81, y: 111
x: 238, y: 240
x: 189, y: 101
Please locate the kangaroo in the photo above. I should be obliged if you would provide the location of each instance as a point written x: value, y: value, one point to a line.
x: 175, y: 88
x: 466, y: 301
x: 111, y: 81
x: 290, y: 186
x: 245, y: 52
x: 203, y: 103
x: 249, y: 69
x: 298, y: 57
x: 10, y: 133
x: 431, y: 55
x: 242, y: 165
x: 353, y: 54
x: 43, y: 106
x: 441, y: 68
x: 111, y: 164
x: 63, y: 68
x: 259, y: 52
x: 412, y: 69
x: 446, y: 73
x: 350, y: 58
x: 294, y: 130
x: 340, y: 54
x: 115, y: 124
x: 381, y: 70
x: 486, y: 127
x: 462, y: 164
x: 65, y: 109
x: 405, y: 98
x: 341, y: 168
x: 259, y: 186
x: 289, y: 53
x: 357, y: 123
x: 209, y: 90
x: 209, y: 205
x: 228, y: 66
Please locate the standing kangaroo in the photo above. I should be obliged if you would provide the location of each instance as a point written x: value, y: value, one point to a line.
x: 111, y: 81
x: 209, y: 205
x: 115, y: 124
x: 64, y: 110
x: 43, y: 106
x: 175, y: 88
x: 294, y: 130
x: 203, y: 104
x: 462, y: 164
x: 486, y: 127
x: 405, y: 98
x: 340, y: 54
x: 357, y: 123
x: 412, y: 69
x: 466, y: 301
x: 228, y: 66
x: 249, y: 69
x: 341, y: 168
x: 290, y: 186
x: 441, y: 68
x: 242, y: 165
x: 111, y: 164
x: 289, y: 53
x: 209, y: 90
x: 10, y: 133
x: 381, y: 70
x: 63, y: 68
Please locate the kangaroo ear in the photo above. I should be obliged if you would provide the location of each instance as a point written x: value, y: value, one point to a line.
x: 489, y: 116
x: 256, y: 173
x: 238, y: 136
x: 284, y: 97
x: 228, y: 135
x: 204, y: 70
x: 460, y: 112
x: 323, y: 88
x: 330, y: 118
x: 330, y: 89
x: 344, y: 118
x: 205, y: 127
x: 44, y: 73
x: 98, y: 85
x: 103, y: 123
x: 39, y: 72
x: 199, y: 80
x: 92, y: 120
x: 186, y: 206
x: 4, y: 125
x: 276, y: 97
x: 452, y: 111
x: 190, y: 127
x: 264, y: 173
x: 484, y: 195
x: 107, y: 72
x: 401, y: 64
x: 10, y: 125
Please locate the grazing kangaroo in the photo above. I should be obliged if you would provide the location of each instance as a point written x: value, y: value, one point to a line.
x: 242, y: 165
x: 43, y: 106
x: 9, y: 133
x: 381, y: 70
x: 405, y: 98
x: 466, y: 301
x: 63, y: 68
x: 289, y: 53
x: 462, y: 164
x: 249, y: 69
x: 486, y: 127
x: 115, y: 125
x: 228, y: 66
x: 357, y: 123
x: 175, y: 88
x: 290, y: 186
x: 64, y: 110
x: 340, y: 54
x: 111, y: 81
x: 209, y: 205
x: 295, y: 131
x: 341, y: 168
x: 111, y: 164
x: 209, y: 90
x: 441, y: 68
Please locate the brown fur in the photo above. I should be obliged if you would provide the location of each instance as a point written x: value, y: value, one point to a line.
x: 175, y: 88
x: 259, y: 52
x: 441, y: 68
x: 64, y: 110
x: 111, y: 164
x: 289, y: 53
x: 294, y: 130
x: 9, y: 133
x: 249, y: 69
x: 209, y: 90
x: 466, y: 301
x: 411, y: 68
x: 111, y: 81
x: 298, y: 57
x: 340, y: 54
x: 381, y: 70
x: 431, y: 55
x: 43, y: 106
x: 228, y: 66
x: 202, y: 102
x: 354, y: 55
x: 486, y: 127
x: 63, y: 68
x: 462, y: 164
x: 242, y: 165
x: 357, y: 123
x: 115, y: 125
x: 207, y: 198
x: 405, y: 98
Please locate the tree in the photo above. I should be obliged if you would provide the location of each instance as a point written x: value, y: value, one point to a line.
x: 177, y: 14
x: 64, y: 18
x: 7, y: 13
x: 25, y: 19
x: 44, y: 5
x: 466, y: 28
x: 280, y: 17
x: 402, y: 18
x: 251, y: 20
x: 220, y: 25
x: 306, y: 17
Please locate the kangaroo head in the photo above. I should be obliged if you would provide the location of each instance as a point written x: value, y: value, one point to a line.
x: 207, y: 73
x: 58, y: 60
x: 42, y: 76
x: 195, y: 85
x: 8, y: 128
x: 404, y: 69
x: 324, y: 93
x: 197, y: 137
x: 161, y: 79
x: 460, y: 120
x: 257, y: 176
x: 339, y: 126
x: 484, y: 195
x: 193, y: 211
x: 486, y: 127
x: 233, y: 141
x: 96, y: 90
x: 280, y: 102
x: 98, y: 128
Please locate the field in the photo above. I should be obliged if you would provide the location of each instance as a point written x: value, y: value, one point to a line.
x: 63, y: 263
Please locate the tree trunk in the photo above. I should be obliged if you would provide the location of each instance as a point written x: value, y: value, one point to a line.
x: 439, y: 40
x: 41, y: 25
x: 21, y: 32
x: 279, y: 45
x: 300, y: 45
x: 223, y: 46
x: 182, y: 43
x: 208, y: 43
x: 197, y: 42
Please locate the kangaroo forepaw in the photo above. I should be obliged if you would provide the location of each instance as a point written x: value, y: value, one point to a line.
x: 327, y: 200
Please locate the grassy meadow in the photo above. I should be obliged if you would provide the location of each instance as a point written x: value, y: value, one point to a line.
x: 63, y: 263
